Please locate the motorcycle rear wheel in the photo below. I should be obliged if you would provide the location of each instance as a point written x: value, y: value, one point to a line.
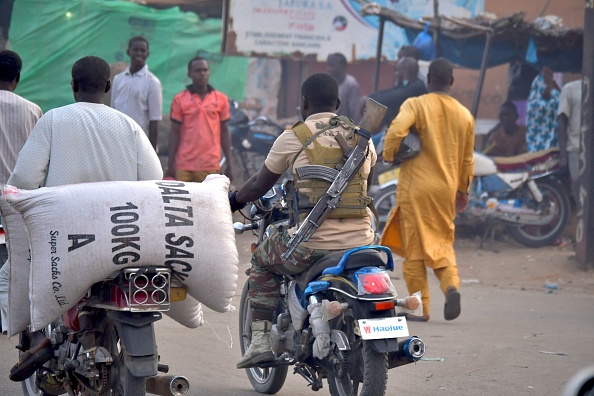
x: 365, y: 370
x: 555, y: 195
x: 122, y: 382
x: 267, y: 380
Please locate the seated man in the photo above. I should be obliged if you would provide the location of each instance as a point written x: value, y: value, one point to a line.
x: 83, y: 142
x: 507, y: 138
x: 345, y: 228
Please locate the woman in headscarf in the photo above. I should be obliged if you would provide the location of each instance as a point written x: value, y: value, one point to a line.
x: 541, y: 122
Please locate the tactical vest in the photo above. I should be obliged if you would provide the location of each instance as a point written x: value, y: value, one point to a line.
x: 308, y: 191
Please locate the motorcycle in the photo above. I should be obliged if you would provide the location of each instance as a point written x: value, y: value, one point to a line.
x: 105, y: 345
x: 250, y: 140
x: 346, y: 297
x: 524, y: 193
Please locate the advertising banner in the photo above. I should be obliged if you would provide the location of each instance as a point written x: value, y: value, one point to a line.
x: 322, y: 27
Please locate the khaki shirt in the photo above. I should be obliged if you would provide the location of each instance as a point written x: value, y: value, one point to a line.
x: 333, y: 233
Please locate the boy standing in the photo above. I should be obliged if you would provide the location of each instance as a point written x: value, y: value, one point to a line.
x: 136, y: 91
x: 199, y: 129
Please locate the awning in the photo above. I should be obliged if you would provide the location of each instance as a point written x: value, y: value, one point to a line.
x: 462, y: 40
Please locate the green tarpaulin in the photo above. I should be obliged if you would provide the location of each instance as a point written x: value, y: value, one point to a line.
x: 50, y: 35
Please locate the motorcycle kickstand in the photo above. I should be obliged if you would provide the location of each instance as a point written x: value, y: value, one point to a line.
x: 490, y: 229
x: 313, y: 380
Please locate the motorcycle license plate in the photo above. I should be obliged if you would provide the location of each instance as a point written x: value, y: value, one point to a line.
x: 387, y: 176
x: 2, y: 238
x: 374, y: 329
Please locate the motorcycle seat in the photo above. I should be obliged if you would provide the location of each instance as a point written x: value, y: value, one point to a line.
x: 527, y: 161
x: 357, y: 260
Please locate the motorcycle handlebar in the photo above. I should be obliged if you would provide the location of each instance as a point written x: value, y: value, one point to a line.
x: 240, y: 228
x: 264, y: 120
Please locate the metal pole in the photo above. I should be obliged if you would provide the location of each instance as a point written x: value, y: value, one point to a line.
x: 225, y: 31
x: 378, y: 53
x: 481, y: 78
x: 6, y: 7
x: 437, y: 28
x: 584, y: 233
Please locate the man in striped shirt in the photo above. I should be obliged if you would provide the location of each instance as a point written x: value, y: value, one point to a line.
x: 17, y: 115
x: 17, y: 118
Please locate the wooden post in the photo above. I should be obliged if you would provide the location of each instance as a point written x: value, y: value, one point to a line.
x: 378, y: 52
x: 584, y: 234
x: 225, y: 31
x: 481, y: 78
x: 437, y: 28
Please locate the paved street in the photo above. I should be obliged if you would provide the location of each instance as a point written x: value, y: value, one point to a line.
x: 506, y: 342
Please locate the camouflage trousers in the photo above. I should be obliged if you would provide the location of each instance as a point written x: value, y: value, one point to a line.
x: 268, y: 269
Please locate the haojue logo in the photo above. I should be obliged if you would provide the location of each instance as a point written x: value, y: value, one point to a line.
x: 339, y: 23
x: 377, y: 329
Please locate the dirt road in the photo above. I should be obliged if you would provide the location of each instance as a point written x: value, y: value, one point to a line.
x: 514, y: 337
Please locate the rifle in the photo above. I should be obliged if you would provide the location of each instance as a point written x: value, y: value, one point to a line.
x: 355, y: 157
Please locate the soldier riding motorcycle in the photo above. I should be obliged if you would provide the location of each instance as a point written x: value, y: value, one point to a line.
x: 336, y: 318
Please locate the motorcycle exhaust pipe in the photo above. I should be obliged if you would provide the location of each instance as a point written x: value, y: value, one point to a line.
x: 412, y: 348
x: 168, y: 385
x: 409, y: 351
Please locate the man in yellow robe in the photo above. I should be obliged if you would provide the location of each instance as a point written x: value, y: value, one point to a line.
x: 432, y: 187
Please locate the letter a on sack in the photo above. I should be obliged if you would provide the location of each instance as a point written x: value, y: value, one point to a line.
x: 80, y: 240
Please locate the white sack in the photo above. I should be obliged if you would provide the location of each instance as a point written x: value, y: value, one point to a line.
x: 17, y: 243
x: 187, y: 313
x: 82, y: 233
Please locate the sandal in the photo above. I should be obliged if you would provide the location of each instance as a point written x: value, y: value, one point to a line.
x: 452, y: 309
x: 31, y: 360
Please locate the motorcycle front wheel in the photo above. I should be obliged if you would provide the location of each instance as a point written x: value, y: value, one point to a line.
x: 267, y: 380
x: 363, y: 371
x: 556, y: 202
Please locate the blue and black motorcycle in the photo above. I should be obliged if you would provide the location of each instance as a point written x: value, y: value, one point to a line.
x: 347, y: 298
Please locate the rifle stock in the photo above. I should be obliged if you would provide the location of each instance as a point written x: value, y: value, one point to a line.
x: 373, y: 115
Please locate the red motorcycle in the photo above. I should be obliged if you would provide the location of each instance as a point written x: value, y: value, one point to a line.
x: 105, y: 345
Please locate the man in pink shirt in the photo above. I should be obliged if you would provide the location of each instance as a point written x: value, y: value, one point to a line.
x: 199, y: 130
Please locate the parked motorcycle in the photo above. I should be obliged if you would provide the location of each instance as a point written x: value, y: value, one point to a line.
x: 524, y: 193
x: 105, y: 345
x: 347, y: 297
x: 250, y: 140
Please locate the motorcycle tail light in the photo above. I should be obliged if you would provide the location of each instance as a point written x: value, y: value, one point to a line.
x: 383, y: 305
x: 374, y: 281
x: 148, y: 289
x: 138, y: 289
